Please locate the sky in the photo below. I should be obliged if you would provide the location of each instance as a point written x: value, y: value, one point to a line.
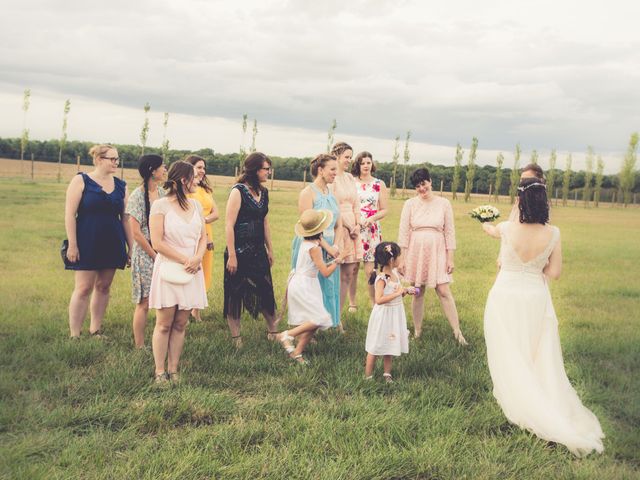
x: 548, y: 75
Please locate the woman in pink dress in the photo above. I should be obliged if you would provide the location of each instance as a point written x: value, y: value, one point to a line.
x: 428, y: 241
x: 178, y: 235
x: 373, y: 196
x: 344, y: 189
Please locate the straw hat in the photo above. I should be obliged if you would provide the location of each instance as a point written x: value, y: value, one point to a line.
x: 313, y: 222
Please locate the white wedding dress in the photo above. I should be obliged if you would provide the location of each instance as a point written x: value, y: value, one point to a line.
x: 525, y: 358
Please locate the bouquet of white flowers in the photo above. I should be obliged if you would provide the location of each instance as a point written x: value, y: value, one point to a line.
x: 485, y: 213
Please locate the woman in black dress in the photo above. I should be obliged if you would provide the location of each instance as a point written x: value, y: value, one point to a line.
x: 249, y: 254
x: 99, y: 237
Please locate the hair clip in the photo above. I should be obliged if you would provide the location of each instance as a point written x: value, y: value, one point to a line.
x: 526, y: 187
x: 389, y: 250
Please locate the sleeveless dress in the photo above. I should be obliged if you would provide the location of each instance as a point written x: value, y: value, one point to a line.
x: 304, y: 293
x: 387, y: 332
x: 251, y: 287
x: 205, y: 200
x: 330, y: 285
x: 370, y: 237
x: 141, y: 262
x: 99, y: 232
x: 183, y: 236
x: 344, y: 189
x: 524, y: 354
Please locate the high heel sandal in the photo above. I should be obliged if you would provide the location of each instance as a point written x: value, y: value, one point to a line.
x: 352, y: 308
x: 285, y: 340
x: 300, y: 359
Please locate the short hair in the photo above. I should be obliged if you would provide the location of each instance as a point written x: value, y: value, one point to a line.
x: 355, y: 168
x: 420, y: 175
x: 533, y: 203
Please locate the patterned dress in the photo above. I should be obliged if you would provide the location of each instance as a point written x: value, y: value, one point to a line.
x: 251, y: 287
x: 141, y: 262
x: 369, y: 194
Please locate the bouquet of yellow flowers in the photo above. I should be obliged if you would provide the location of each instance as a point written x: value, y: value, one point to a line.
x: 485, y: 213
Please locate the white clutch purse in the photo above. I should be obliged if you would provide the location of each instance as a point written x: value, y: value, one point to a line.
x: 173, y: 272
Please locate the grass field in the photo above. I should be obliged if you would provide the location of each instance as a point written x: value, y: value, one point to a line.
x: 88, y: 409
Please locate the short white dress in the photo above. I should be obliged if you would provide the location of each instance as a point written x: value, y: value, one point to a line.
x: 304, y: 294
x: 387, y: 333
x: 183, y: 236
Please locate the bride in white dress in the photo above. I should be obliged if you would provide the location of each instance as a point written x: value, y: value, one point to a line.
x: 521, y: 331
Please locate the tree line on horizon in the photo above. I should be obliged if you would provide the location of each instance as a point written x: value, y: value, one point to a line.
x: 592, y: 185
x: 463, y: 179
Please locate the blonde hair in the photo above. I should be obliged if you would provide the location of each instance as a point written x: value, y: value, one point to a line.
x: 339, y: 148
x: 98, y: 150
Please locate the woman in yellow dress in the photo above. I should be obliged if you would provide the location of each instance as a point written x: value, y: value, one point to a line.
x: 203, y: 195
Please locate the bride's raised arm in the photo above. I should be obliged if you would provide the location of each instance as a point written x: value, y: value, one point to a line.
x: 491, y: 230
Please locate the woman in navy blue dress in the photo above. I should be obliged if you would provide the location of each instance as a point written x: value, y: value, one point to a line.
x: 99, y: 237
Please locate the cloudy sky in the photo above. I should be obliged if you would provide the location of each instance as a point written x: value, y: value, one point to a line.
x: 560, y: 74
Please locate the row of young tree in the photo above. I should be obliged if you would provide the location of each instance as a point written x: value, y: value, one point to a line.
x: 591, y: 183
x: 462, y: 180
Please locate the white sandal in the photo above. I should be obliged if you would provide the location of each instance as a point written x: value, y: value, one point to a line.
x: 387, y: 377
x: 285, y: 339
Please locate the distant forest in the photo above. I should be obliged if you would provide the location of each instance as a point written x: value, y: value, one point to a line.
x: 292, y: 168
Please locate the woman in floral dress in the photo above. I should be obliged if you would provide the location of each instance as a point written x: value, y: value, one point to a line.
x: 373, y: 208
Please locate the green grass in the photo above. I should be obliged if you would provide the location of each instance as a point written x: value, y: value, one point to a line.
x: 88, y: 410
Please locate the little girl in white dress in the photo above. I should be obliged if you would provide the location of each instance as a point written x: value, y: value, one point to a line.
x: 387, y: 334
x: 304, y: 295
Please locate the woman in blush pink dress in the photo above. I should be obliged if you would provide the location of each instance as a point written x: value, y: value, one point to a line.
x: 178, y: 235
x: 344, y: 189
x: 428, y: 241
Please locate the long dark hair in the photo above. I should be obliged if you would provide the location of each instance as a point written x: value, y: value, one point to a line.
x: 252, y: 164
x: 146, y: 165
x: 179, y: 171
x: 193, y: 160
x: 385, y: 251
x: 532, y: 201
x: 535, y: 168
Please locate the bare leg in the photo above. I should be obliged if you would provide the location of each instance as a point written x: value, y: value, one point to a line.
x: 417, y: 310
x: 300, y: 329
x: 234, y: 329
x: 370, y: 365
x: 368, y: 270
x: 353, y: 288
x: 160, y: 339
x: 272, y: 322
x: 176, y: 339
x: 450, y: 310
x: 387, y: 360
x: 195, y: 313
x: 100, y: 298
x: 140, y: 315
x: 346, y: 277
x: 303, y: 340
x: 79, y: 302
